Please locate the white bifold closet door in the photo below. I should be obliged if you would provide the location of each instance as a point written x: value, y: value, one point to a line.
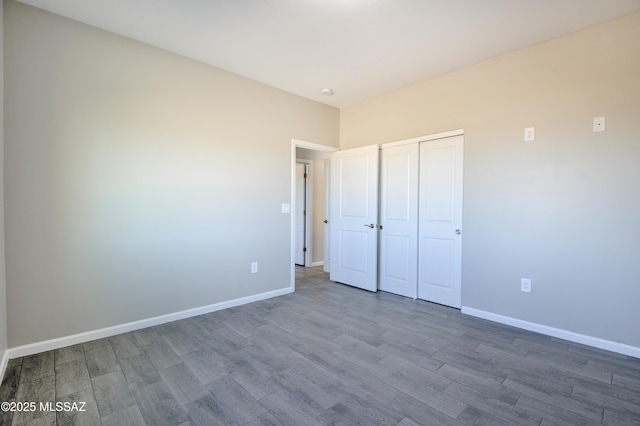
x: 399, y: 220
x: 419, y: 245
x: 354, y: 217
x: 440, y: 221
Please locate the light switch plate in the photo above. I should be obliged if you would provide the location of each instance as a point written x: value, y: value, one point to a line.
x: 286, y: 208
x: 529, y: 134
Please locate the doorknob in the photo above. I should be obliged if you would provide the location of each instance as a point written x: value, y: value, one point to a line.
x: 458, y: 232
x: 380, y: 227
x: 371, y: 225
x: 326, y: 221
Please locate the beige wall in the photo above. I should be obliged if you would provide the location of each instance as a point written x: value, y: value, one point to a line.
x: 562, y: 210
x: 138, y: 183
x: 317, y: 205
x: 3, y: 290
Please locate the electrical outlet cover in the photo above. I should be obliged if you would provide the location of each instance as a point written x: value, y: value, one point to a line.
x: 598, y: 124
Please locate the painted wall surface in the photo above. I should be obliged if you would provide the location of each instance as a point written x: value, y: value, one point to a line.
x: 138, y: 183
x: 3, y: 289
x: 562, y: 210
x: 317, y: 203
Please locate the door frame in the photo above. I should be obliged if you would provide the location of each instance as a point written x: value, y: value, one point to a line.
x: 297, y: 143
x: 442, y: 135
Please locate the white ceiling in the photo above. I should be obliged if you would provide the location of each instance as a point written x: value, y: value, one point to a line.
x: 359, y: 48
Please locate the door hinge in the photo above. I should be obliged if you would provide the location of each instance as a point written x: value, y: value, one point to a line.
x: 304, y: 249
x: 305, y: 175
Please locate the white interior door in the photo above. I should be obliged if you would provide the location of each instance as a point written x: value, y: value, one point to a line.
x: 354, y: 215
x: 399, y: 220
x: 299, y: 212
x: 327, y: 214
x: 440, y: 221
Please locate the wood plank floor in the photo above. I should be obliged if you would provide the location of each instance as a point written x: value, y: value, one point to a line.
x: 328, y: 354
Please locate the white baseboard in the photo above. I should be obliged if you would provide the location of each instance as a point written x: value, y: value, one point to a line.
x: 596, y: 342
x: 317, y: 263
x: 47, y: 345
x: 3, y: 364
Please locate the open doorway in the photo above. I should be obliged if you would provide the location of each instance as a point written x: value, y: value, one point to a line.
x: 317, y: 158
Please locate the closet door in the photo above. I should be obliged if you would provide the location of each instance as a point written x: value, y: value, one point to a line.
x: 440, y: 221
x: 399, y: 220
x: 354, y: 217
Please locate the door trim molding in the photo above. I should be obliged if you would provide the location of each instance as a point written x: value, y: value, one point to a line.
x: 426, y: 138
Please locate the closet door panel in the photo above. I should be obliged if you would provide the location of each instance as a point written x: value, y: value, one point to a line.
x: 440, y: 221
x: 354, y: 216
x: 399, y: 220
